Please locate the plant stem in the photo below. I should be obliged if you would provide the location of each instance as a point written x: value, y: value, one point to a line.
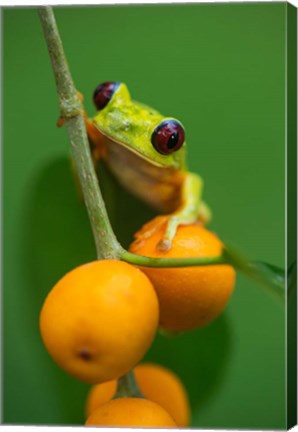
x: 127, y: 386
x: 272, y: 278
x: 145, y: 261
x: 71, y: 110
x: 269, y: 277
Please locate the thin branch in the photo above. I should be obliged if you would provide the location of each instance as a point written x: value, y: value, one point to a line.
x: 127, y: 386
x: 145, y: 261
x: 71, y: 111
x: 269, y: 277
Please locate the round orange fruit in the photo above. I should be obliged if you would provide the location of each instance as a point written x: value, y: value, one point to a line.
x: 189, y: 297
x: 99, y: 320
x: 165, y: 388
x: 157, y: 384
x: 100, y: 394
x: 131, y: 412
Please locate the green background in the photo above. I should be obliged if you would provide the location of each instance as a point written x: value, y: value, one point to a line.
x: 220, y: 69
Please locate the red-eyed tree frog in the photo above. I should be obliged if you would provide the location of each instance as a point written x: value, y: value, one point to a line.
x: 146, y: 153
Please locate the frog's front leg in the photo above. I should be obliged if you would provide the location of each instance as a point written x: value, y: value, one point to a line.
x: 192, y: 208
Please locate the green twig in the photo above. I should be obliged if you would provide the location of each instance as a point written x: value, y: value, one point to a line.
x: 272, y: 278
x: 145, y: 261
x: 71, y: 110
x: 269, y: 277
x: 127, y: 386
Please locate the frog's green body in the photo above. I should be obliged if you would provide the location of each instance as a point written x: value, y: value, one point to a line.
x: 156, y: 185
x: 121, y: 134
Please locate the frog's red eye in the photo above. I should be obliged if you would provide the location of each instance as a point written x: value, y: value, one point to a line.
x: 103, y: 93
x: 168, y: 137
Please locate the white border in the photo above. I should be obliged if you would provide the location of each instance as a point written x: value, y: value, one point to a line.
x: 8, y: 3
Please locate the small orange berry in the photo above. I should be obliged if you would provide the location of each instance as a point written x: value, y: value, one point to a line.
x: 127, y: 412
x: 157, y: 384
x: 189, y: 297
x: 100, y: 394
x: 99, y: 320
x: 165, y: 388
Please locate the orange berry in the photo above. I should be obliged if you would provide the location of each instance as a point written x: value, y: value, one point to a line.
x: 189, y: 297
x: 127, y: 412
x: 100, y: 394
x: 157, y: 384
x: 163, y: 387
x: 99, y: 320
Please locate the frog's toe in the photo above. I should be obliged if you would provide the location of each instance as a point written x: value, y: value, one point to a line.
x: 164, y: 245
x: 151, y: 227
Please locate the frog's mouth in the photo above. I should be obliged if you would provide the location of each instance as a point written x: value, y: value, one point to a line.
x: 110, y: 141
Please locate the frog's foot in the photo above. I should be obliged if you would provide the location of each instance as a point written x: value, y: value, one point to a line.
x: 183, y: 218
x: 150, y: 228
x: 172, y: 225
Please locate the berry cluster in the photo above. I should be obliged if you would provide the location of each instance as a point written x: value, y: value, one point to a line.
x: 101, y: 318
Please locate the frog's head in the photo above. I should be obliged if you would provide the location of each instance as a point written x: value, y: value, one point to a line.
x: 138, y: 127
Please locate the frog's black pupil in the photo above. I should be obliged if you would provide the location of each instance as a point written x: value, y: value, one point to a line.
x: 173, y: 140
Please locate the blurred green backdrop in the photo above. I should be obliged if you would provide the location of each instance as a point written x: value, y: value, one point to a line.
x: 220, y: 69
